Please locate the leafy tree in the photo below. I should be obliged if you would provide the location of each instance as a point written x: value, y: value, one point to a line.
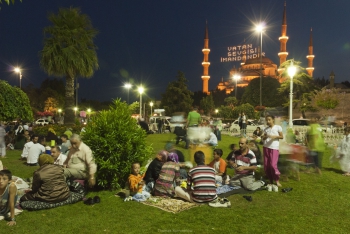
x: 207, y: 104
x: 231, y: 102
x: 302, y: 83
x: 197, y: 97
x: 218, y: 97
x: 270, y: 95
x: 69, y: 51
x: 14, y: 103
x: 326, y: 99
x: 177, y: 97
x: 134, y: 107
x: 9, y: 1
x: 226, y: 112
x: 116, y: 141
x: 247, y: 109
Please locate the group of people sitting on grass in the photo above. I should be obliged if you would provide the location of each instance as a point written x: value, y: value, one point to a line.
x: 49, y: 187
x: 199, y: 184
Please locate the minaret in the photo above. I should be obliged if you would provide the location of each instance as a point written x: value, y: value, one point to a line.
x: 310, y: 57
x: 331, y: 80
x: 206, y: 63
x: 283, y: 39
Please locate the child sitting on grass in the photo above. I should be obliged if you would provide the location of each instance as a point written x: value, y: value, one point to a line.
x: 136, y: 184
x: 8, y: 197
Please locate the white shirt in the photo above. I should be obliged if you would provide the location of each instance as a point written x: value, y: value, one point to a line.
x: 244, y: 118
x: 26, y: 148
x: 60, y: 159
x: 34, y: 153
x: 274, y: 131
x: 213, y: 140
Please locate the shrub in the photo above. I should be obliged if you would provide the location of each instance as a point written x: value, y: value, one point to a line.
x: 116, y: 141
x: 247, y: 109
x: 59, y: 129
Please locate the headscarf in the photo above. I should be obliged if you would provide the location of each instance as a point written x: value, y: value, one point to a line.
x: 169, y: 146
x: 173, y: 157
x: 164, y: 155
x: 45, y: 159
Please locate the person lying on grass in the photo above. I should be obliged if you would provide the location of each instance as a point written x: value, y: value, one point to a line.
x: 136, y: 184
x: 244, y: 163
x: 169, y: 175
x: 202, y: 177
x: 49, y: 184
x: 8, y: 198
x: 153, y: 170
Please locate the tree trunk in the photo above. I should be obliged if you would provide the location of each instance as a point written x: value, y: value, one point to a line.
x: 69, y: 107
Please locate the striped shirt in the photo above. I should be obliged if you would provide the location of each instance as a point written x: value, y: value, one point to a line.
x: 203, y: 179
x: 245, y: 160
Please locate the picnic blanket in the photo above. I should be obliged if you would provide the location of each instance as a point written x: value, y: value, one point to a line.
x: 169, y: 204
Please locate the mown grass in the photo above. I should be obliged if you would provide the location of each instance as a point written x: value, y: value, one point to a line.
x: 317, y: 204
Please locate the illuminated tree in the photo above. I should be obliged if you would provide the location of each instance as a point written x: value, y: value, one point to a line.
x: 207, y: 104
x: 14, y: 103
x: 326, y: 99
x: 177, y: 96
x: 69, y: 51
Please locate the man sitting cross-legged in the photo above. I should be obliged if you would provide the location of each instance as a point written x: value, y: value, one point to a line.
x: 80, y: 163
x: 244, y: 162
x: 203, y: 179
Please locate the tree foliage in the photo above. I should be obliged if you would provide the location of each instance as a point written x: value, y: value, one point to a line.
x: 326, y: 99
x: 177, y: 96
x: 116, y: 141
x: 248, y: 109
x: 14, y: 103
x: 207, y: 104
x: 302, y: 83
x: 270, y: 95
x: 226, y: 112
x: 69, y: 51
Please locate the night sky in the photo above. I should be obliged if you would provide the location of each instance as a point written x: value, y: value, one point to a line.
x: 149, y: 41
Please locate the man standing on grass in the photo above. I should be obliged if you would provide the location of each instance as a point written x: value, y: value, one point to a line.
x: 80, y: 163
x: 193, y: 118
x: 244, y: 162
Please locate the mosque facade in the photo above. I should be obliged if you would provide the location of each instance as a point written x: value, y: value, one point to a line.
x: 252, y: 66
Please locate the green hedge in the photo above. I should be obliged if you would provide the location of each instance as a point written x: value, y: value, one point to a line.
x: 59, y: 129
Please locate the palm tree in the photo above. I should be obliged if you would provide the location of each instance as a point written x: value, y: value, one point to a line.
x: 69, y: 51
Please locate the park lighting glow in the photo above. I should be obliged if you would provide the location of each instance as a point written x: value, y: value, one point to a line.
x: 128, y: 87
x: 236, y: 77
x: 89, y: 110
x: 18, y: 70
x: 260, y: 28
x: 151, y: 104
x: 140, y: 89
x: 291, y: 72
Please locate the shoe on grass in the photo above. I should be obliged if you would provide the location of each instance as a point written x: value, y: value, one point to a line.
x: 269, y: 187
x: 274, y: 188
x: 220, y: 203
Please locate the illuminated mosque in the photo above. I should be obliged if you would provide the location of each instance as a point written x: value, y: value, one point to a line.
x: 250, y: 61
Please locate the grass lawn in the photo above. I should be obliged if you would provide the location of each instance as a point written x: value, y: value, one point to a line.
x: 317, y: 204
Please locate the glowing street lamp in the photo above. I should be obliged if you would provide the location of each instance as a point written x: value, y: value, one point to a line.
x: 59, y: 112
x: 89, y: 112
x: 151, y: 104
x: 128, y: 86
x: 216, y: 112
x: 291, y: 72
x: 140, y: 90
x: 236, y: 77
x: 75, y: 111
x: 18, y: 70
x: 260, y: 28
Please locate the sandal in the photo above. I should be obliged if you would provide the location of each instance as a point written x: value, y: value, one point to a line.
x: 346, y: 174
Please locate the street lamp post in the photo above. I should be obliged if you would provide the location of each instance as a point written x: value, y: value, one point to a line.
x: 75, y: 111
x: 151, y: 104
x: 59, y: 112
x: 236, y: 77
x: 89, y: 112
x: 128, y: 86
x: 216, y: 112
x: 18, y: 70
x: 140, y: 89
x: 260, y: 28
x: 291, y: 72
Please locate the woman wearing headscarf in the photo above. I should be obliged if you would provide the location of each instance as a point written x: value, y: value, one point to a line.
x: 169, y: 177
x: 49, y: 184
x: 153, y: 170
